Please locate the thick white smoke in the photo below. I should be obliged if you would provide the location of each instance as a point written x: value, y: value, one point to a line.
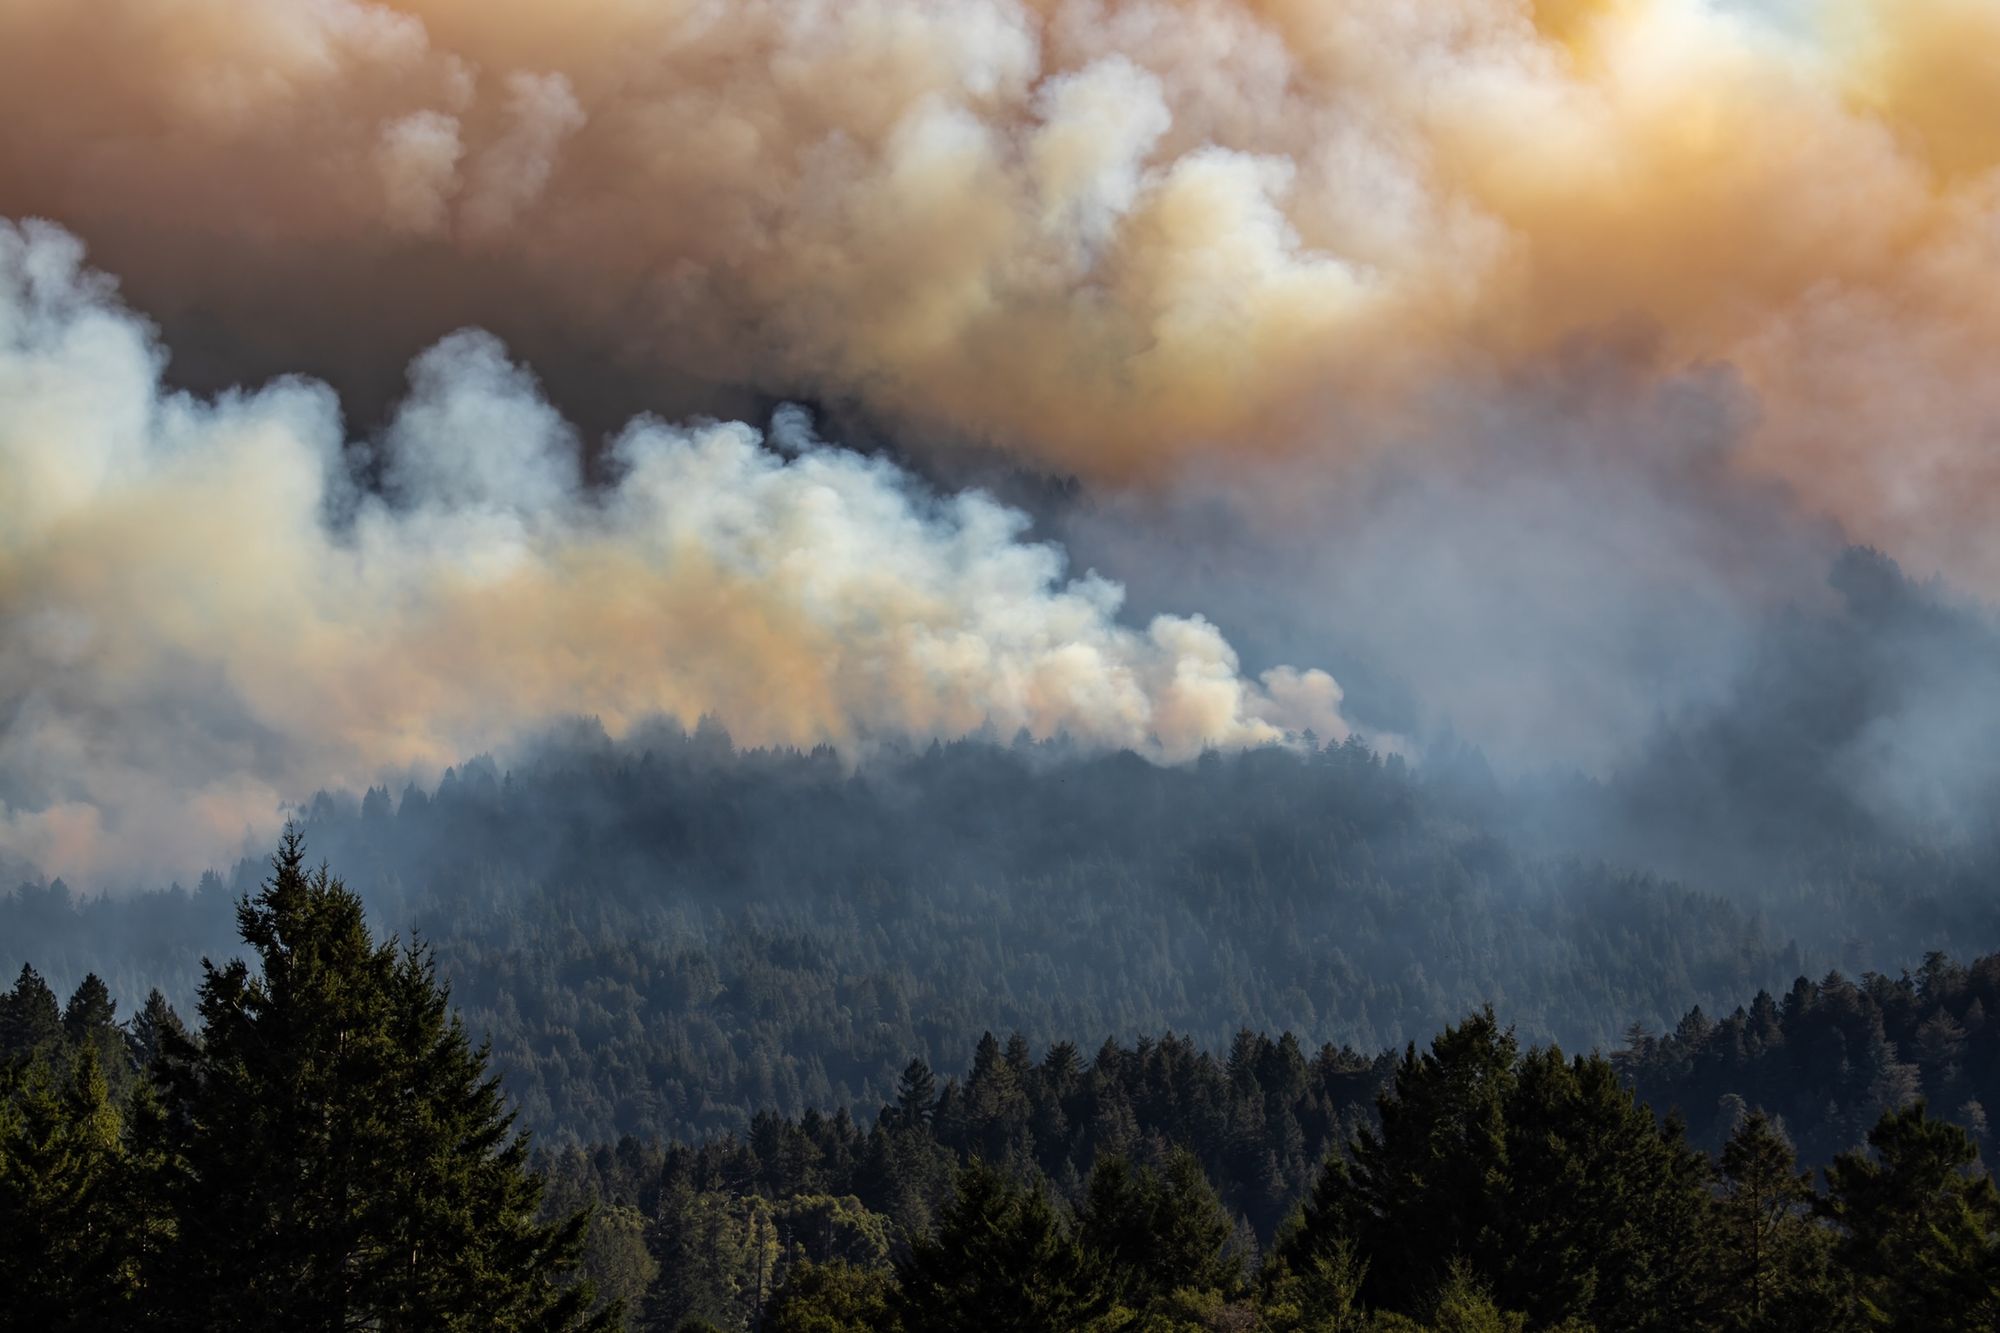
x: 206, y: 613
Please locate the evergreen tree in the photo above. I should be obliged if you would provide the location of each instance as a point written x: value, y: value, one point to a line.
x: 1427, y: 1185
x: 29, y: 1018
x: 1542, y: 1178
x: 152, y: 1028
x: 1602, y: 1207
x: 90, y: 1009
x: 89, y: 1025
x: 1314, y: 1290
x: 64, y: 1241
x: 1769, y: 1255
x: 1001, y: 1262
x: 1922, y: 1242
x: 1153, y: 1232
x: 916, y: 1094
x: 333, y: 1153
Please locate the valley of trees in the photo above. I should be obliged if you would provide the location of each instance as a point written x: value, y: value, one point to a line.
x: 325, y: 1148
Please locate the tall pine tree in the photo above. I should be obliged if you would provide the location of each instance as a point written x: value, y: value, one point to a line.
x: 1923, y: 1226
x: 332, y: 1153
x: 1002, y: 1261
x: 64, y: 1237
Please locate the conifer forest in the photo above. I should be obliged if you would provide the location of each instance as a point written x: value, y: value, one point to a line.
x: 1000, y: 666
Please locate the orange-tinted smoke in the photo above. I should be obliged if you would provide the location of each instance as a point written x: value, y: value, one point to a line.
x: 1109, y: 234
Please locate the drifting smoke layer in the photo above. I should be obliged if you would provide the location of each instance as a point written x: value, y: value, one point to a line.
x: 1590, y: 570
x: 1110, y: 233
x: 204, y: 614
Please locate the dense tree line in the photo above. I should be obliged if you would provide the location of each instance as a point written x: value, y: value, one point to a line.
x: 1826, y: 1058
x: 665, y: 935
x: 326, y: 1150
x: 1485, y: 1186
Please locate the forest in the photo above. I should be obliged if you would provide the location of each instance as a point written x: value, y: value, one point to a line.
x: 1016, y: 1034
x: 1041, y: 666
x: 663, y: 936
x: 327, y: 1148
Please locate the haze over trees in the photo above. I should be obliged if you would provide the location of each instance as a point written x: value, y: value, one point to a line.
x: 1089, y: 666
x: 800, y: 1033
x: 665, y: 934
x: 325, y: 1149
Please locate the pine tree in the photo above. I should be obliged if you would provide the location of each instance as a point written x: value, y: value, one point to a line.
x: 1115, y: 1228
x: 1151, y: 1232
x: 916, y: 1094
x: 63, y: 1237
x: 1316, y: 1291
x: 90, y: 1009
x: 1427, y: 1185
x: 29, y: 1018
x: 152, y: 1028
x: 89, y: 1026
x: 1922, y: 1236
x: 1769, y: 1253
x: 1602, y: 1207
x: 1544, y: 1177
x: 1001, y: 1262
x: 333, y: 1153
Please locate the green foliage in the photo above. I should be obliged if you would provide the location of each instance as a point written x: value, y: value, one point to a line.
x: 330, y: 1150
x: 1459, y: 1304
x: 916, y: 1094
x: 719, y: 1257
x: 30, y: 1023
x: 1157, y: 1232
x: 835, y: 1297
x: 1770, y: 1256
x: 1827, y: 1058
x: 1003, y: 1260
x: 332, y: 1153
x: 1315, y: 1288
x: 1426, y: 1186
x: 1922, y: 1242
x: 823, y: 1229
x: 65, y: 1227
x: 1539, y: 1179
x: 152, y: 1030
x: 616, y: 1259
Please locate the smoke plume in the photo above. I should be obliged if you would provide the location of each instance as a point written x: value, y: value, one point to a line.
x: 207, y: 612
x: 1518, y: 359
x: 1111, y: 235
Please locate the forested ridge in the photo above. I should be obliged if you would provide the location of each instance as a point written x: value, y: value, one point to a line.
x: 326, y: 1149
x: 664, y: 935
x: 968, y: 1035
x: 1001, y: 666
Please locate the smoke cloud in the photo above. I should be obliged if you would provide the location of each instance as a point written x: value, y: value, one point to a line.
x: 207, y: 612
x: 1113, y: 236
x: 1517, y: 359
